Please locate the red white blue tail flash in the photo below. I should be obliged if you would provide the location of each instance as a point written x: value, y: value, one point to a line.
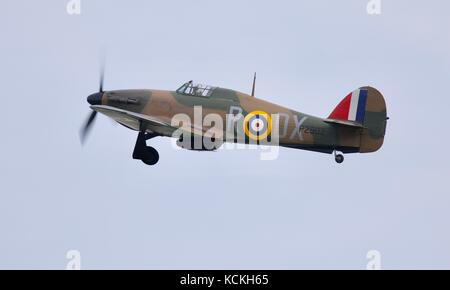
x: 352, y: 107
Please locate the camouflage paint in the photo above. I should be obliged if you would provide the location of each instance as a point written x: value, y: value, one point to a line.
x: 313, y: 133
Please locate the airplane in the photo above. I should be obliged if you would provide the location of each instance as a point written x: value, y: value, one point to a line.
x: 356, y: 125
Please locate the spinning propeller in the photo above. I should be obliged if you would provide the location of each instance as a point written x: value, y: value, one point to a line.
x: 94, y: 99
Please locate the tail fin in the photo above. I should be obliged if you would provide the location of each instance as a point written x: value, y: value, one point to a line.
x: 366, y: 107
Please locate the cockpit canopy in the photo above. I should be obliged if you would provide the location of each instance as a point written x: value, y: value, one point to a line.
x: 198, y: 90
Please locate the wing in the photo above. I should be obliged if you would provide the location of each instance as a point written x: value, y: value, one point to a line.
x: 132, y: 120
x: 155, y: 124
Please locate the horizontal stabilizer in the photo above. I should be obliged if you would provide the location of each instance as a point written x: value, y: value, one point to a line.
x: 344, y: 123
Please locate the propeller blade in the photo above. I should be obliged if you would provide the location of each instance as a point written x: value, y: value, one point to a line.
x: 102, y: 76
x: 84, y: 131
x: 87, y: 126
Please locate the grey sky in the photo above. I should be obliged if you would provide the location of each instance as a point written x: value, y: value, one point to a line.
x: 226, y: 209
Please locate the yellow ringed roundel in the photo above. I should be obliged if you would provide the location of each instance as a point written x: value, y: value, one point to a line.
x: 257, y: 125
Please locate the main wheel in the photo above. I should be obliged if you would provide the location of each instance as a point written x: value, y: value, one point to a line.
x: 151, y: 156
x: 339, y: 158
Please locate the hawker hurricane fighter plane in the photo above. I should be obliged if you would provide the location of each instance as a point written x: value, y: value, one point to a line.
x: 356, y: 125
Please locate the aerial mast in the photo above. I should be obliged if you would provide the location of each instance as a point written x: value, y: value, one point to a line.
x: 254, y: 83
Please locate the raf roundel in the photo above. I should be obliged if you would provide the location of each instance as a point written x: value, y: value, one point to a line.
x: 257, y: 125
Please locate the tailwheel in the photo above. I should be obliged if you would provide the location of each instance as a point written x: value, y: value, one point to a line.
x: 339, y: 158
x: 151, y: 156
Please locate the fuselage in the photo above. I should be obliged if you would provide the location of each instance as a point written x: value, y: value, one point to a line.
x: 295, y: 129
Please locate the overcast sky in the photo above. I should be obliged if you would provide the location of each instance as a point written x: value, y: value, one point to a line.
x: 226, y: 209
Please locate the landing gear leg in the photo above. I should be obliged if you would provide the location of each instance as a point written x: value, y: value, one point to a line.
x: 339, y: 158
x: 145, y: 153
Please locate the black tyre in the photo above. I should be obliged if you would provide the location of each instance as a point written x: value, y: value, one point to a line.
x: 339, y: 158
x: 151, y: 156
